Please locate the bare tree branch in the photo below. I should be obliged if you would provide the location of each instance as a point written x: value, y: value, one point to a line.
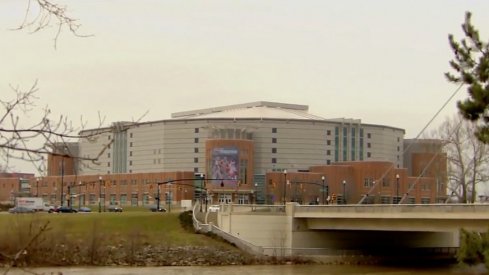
x: 47, y: 13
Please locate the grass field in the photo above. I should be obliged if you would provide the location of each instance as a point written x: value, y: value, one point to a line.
x: 128, y: 238
x: 148, y: 227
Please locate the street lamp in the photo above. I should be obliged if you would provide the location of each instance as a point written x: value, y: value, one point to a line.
x: 37, y: 187
x: 62, y: 176
x: 344, y: 191
x: 397, y: 189
x: 285, y: 183
x: 157, y: 197
x: 100, y: 194
x: 322, y: 178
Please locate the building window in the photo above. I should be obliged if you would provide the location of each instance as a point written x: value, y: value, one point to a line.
x: 196, y: 140
x: 109, y: 137
x: 353, y: 144
x: 385, y: 182
x: 425, y: 200
x: 123, y: 199
x: 345, y: 143
x: 369, y: 155
x: 369, y: 135
x: 336, y: 144
x: 274, y: 150
x: 398, y: 139
x: 196, y: 170
x: 130, y: 153
x: 328, y: 152
x: 130, y: 135
x: 274, y: 140
x: 130, y: 162
x: 274, y: 130
x: 360, y: 153
x: 91, y: 199
x: 368, y: 182
x: 328, y: 132
x: 398, y: 148
x: 196, y: 150
x: 369, y: 145
x: 196, y: 160
x: 328, y: 142
x: 274, y: 160
x: 108, y: 164
x: 328, y: 162
x: 196, y: 130
x: 130, y: 144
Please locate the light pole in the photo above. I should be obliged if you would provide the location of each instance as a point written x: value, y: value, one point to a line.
x: 397, y: 189
x: 202, y: 177
x: 100, y: 194
x: 157, y: 197
x: 285, y: 184
x: 69, y: 196
x: 62, y: 176
x: 322, y: 178
x: 344, y: 191
x: 37, y: 188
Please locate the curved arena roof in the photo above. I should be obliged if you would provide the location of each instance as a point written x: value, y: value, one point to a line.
x: 259, y: 109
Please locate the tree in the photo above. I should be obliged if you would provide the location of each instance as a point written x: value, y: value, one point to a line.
x: 23, y: 139
x: 471, y: 68
x: 468, y: 157
x: 474, y: 248
x: 41, y: 14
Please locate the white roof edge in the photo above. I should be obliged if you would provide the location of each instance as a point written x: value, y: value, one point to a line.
x: 240, y: 106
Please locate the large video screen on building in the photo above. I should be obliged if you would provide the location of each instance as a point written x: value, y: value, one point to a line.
x: 225, y: 165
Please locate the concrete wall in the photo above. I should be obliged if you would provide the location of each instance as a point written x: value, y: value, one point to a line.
x: 271, y: 232
x: 278, y: 233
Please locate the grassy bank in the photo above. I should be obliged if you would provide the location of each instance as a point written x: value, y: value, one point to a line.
x: 130, y: 238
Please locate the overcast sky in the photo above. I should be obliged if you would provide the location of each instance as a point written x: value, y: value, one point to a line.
x: 379, y: 61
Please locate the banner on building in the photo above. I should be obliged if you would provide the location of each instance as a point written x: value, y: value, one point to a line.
x: 225, y: 166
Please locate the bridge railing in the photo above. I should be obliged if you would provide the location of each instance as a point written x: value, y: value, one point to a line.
x: 395, y: 208
x: 237, y: 208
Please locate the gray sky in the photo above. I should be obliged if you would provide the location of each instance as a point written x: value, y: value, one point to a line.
x: 379, y: 61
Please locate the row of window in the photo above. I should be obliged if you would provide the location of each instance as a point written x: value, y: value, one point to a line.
x: 370, y: 182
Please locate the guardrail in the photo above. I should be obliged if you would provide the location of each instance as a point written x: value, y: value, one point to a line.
x: 395, y: 208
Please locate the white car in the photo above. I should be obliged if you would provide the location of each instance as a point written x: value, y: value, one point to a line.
x: 214, y: 208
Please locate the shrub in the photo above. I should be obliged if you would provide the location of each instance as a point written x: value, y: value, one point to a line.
x: 186, y: 220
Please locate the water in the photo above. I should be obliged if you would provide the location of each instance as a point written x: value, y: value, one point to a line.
x: 253, y: 270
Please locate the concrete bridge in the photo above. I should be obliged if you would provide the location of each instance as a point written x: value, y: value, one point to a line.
x: 343, y: 229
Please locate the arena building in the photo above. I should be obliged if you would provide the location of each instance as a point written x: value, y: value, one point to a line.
x: 273, y: 136
x: 244, y: 152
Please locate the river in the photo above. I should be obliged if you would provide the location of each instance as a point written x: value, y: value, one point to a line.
x: 252, y: 270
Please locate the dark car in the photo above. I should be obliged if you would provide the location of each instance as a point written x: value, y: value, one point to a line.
x: 115, y: 208
x: 65, y: 209
x: 20, y: 209
x: 154, y: 208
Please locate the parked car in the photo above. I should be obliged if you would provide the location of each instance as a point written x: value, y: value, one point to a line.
x: 114, y: 208
x: 214, y: 208
x: 65, y: 209
x: 84, y: 209
x: 154, y: 208
x: 20, y: 209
